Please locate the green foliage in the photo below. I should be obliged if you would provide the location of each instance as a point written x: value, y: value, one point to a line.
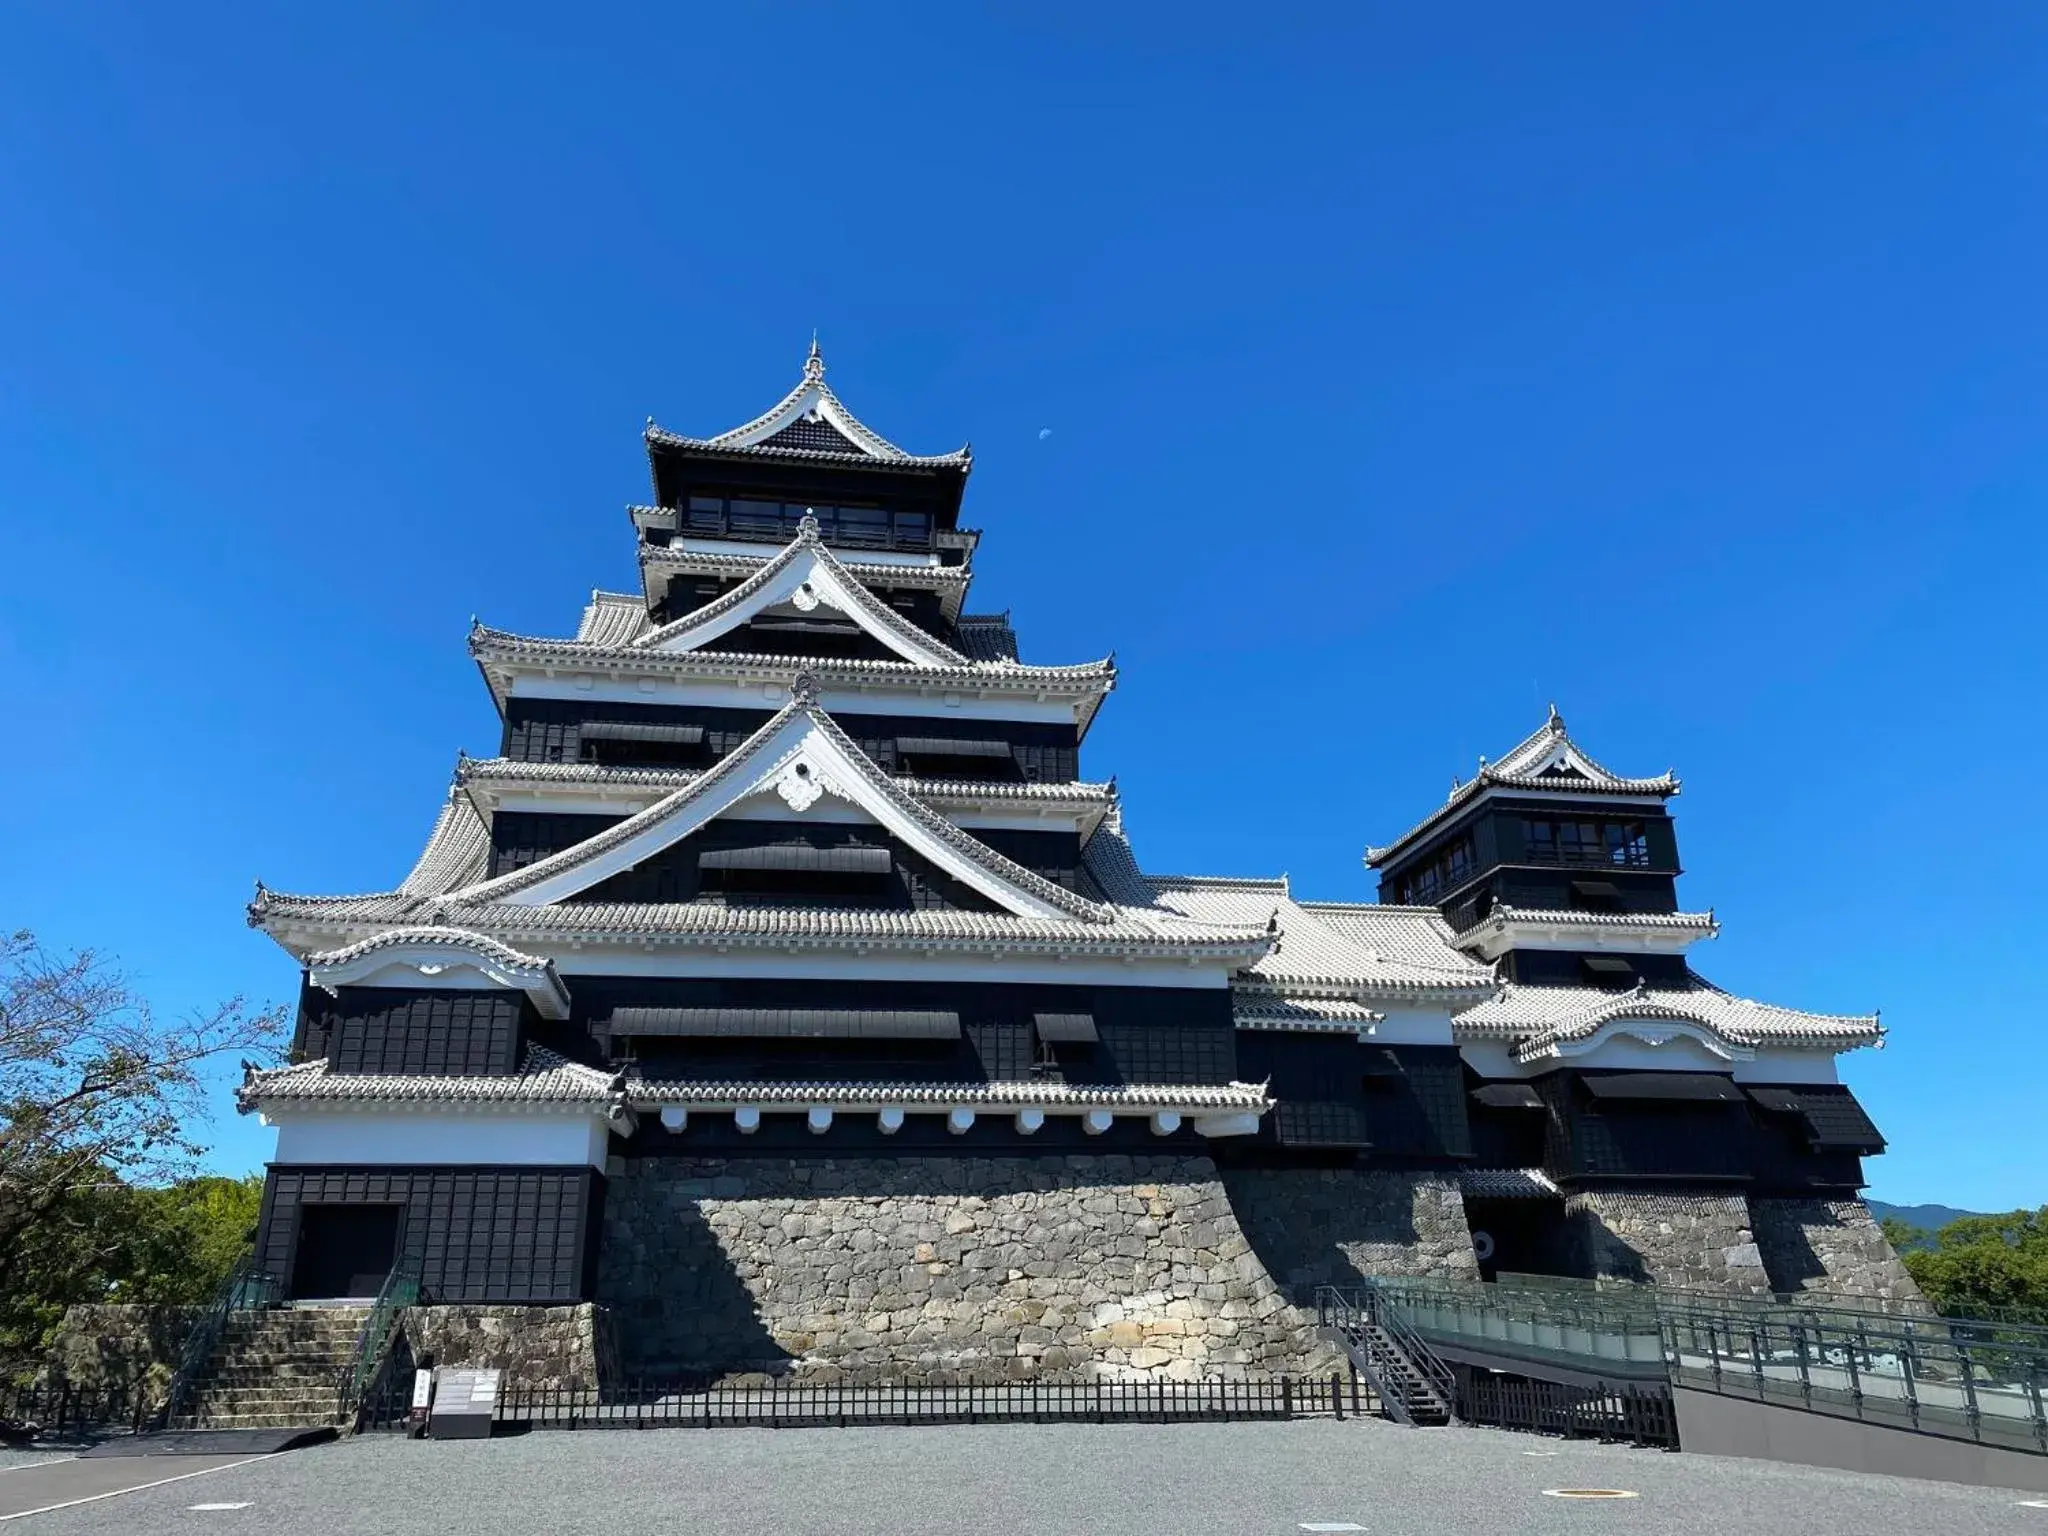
x: 187, y: 1237
x: 101, y: 1100
x: 1984, y: 1266
x: 1904, y: 1236
x: 112, y: 1242
x: 63, y: 1258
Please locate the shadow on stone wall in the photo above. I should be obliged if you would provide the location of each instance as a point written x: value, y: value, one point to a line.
x: 1597, y: 1251
x: 1672, y: 1237
x: 1790, y: 1258
x: 1831, y: 1248
x: 678, y: 1305
x: 1340, y: 1226
x: 941, y: 1270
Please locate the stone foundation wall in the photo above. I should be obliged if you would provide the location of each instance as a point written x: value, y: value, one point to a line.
x: 1832, y: 1248
x: 567, y: 1348
x: 1696, y: 1242
x: 105, y: 1346
x: 942, y: 1269
x: 1336, y: 1226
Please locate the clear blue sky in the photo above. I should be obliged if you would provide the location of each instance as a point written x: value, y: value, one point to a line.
x: 1405, y: 367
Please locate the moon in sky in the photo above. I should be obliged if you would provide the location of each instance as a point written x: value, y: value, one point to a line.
x: 1044, y: 433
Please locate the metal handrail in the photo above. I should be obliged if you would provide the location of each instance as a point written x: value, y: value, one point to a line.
x: 1587, y: 1301
x: 246, y: 1289
x: 1386, y: 1312
x: 1354, y: 1315
x: 401, y: 1289
x: 1961, y: 1377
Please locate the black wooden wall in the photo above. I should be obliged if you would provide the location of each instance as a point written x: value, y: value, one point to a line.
x: 993, y: 1134
x: 520, y: 838
x: 1503, y: 863
x: 400, y: 1029
x: 1147, y: 1034
x: 485, y: 1234
x: 1334, y: 1092
x: 680, y: 473
x: 686, y: 594
x: 545, y: 731
x: 1567, y: 968
x: 1575, y: 1137
x: 1645, y: 1139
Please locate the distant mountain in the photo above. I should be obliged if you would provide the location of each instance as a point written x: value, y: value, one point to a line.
x: 1929, y: 1218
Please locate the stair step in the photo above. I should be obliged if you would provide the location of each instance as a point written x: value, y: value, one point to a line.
x: 258, y: 1398
x: 263, y: 1376
x: 256, y: 1421
x: 276, y: 1369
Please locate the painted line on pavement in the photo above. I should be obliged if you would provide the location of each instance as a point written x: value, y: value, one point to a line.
x: 115, y: 1493
x: 1590, y: 1493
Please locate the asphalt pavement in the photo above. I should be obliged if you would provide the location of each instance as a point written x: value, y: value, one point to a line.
x: 30, y: 1488
x: 1106, y: 1480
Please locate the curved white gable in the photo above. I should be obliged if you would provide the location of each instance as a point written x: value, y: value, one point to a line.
x: 802, y: 758
x: 805, y: 576
x: 440, y: 957
x: 1666, y: 1033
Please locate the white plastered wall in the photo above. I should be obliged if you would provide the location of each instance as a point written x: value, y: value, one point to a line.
x: 384, y: 1137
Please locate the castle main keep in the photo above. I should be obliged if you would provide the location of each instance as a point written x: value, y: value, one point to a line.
x: 787, y: 990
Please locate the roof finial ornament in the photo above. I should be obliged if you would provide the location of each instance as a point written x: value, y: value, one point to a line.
x: 807, y: 525
x: 814, y: 365
x: 1556, y: 721
x: 803, y: 689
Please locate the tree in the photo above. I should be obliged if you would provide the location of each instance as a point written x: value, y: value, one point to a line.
x: 186, y: 1237
x: 1986, y: 1266
x: 98, y: 1094
x: 167, y: 1246
x: 1903, y: 1235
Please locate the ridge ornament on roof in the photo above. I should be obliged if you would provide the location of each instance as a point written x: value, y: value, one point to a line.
x: 1547, y: 759
x: 811, y: 422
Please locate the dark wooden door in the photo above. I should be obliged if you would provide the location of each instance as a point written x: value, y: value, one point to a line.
x: 344, y: 1250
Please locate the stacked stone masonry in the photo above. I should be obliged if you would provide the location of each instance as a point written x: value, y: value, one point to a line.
x: 1687, y: 1241
x: 551, y: 1348
x: 943, y: 1270
x: 1338, y: 1226
x: 114, y: 1347
x: 1832, y: 1248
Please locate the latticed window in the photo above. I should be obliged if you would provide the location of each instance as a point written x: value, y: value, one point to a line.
x: 859, y: 527
x: 1447, y: 868
x: 1621, y: 843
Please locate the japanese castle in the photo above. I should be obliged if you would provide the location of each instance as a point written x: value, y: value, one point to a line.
x: 789, y: 861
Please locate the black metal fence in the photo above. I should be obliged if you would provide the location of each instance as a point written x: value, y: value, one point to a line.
x: 782, y: 1405
x: 58, y: 1410
x: 1639, y: 1416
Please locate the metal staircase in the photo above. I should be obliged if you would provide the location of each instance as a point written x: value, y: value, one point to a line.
x: 1414, y: 1387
